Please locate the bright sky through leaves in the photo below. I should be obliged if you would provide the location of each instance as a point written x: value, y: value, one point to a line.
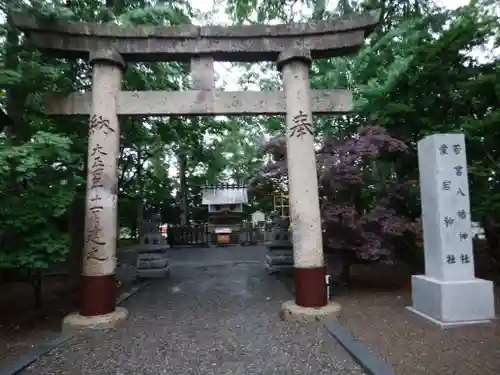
x: 228, y: 76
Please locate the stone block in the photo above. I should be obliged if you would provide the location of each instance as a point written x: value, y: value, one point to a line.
x: 291, y: 312
x: 448, y: 293
x: 153, y: 255
x: 153, y: 273
x: 151, y: 248
x: 280, y: 251
x: 151, y: 263
x: 278, y: 267
x: 279, y: 258
x: 152, y: 242
x: 280, y: 240
x: 76, y: 323
x: 279, y: 255
x: 449, y: 303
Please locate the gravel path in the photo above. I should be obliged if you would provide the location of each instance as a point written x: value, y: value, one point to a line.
x: 218, y: 255
x: 219, y: 319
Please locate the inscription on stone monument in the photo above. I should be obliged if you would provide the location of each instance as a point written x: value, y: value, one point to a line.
x: 99, y: 128
x: 453, y: 206
x: 448, y: 293
x: 301, y: 125
x: 98, y: 123
x: 448, y: 243
x: 94, y: 235
x: 97, y: 167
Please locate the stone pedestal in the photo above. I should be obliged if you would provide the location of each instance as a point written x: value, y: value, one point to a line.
x: 449, y: 303
x: 448, y: 293
x: 74, y: 323
x: 279, y: 254
x: 291, y: 312
x: 152, y: 257
x: 153, y: 242
x: 153, y: 264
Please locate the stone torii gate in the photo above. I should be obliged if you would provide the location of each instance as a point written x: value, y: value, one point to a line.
x: 109, y: 47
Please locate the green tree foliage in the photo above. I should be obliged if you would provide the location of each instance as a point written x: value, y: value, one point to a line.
x: 35, y: 194
x: 42, y: 161
x: 418, y: 73
x: 424, y: 70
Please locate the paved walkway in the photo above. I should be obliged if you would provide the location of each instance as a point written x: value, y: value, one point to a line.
x: 207, y: 318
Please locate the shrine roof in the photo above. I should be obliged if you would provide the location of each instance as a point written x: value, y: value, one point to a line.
x: 225, y: 196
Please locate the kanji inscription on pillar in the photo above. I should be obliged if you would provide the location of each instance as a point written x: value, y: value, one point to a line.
x: 99, y: 124
x: 302, y: 125
x: 100, y: 199
x: 448, y: 293
x: 446, y: 207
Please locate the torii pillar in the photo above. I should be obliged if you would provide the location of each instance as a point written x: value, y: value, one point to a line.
x: 98, y: 287
x: 311, y: 300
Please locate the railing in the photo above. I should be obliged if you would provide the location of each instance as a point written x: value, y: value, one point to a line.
x: 187, y: 235
x: 202, y: 235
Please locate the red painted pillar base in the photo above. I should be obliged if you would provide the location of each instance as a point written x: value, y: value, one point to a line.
x: 310, y: 287
x: 97, y: 295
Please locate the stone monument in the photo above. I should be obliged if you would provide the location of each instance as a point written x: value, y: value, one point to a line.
x: 152, y: 260
x: 448, y: 293
x: 279, y: 255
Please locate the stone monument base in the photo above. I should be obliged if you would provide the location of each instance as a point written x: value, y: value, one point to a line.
x: 151, y: 248
x: 278, y: 260
x: 291, y: 312
x: 453, y: 303
x: 152, y: 265
x: 75, y: 322
x: 154, y: 273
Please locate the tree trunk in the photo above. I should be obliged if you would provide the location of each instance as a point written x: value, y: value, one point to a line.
x: 140, y: 194
x: 76, y: 225
x: 492, y: 238
x: 345, y: 274
x: 16, y: 95
x: 36, y: 281
x: 183, y: 188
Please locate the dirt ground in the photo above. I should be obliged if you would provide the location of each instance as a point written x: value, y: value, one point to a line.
x: 21, y: 325
x: 373, y: 309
